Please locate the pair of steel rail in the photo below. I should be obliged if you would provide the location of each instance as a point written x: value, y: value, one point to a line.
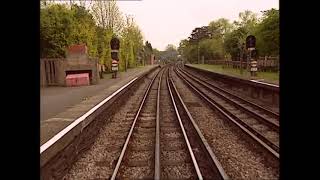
x: 176, y: 99
x: 237, y: 102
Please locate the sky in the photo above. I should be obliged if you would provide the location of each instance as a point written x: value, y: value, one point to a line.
x: 164, y: 22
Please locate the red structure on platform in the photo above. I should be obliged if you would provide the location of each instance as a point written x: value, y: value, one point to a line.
x: 78, y: 79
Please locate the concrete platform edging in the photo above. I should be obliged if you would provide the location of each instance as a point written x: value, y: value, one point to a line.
x: 266, y: 86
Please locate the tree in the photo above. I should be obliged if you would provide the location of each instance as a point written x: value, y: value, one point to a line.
x: 55, y: 29
x: 170, y: 53
x: 247, y: 20
x: 220, y: 27
x: 69, y: 23
x: 132, y: 42
x: 83, y: 29
x: 61, y: 26
x: 211, y: 49
x: 107, y: 15
x: 226, y: 39
x: 156, y: 53
x: 233, y: 42
x: 147, y: 51
x: 267, y: 33
x: 244, y: 27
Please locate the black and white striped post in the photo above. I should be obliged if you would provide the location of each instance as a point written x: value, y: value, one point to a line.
x: 254, y: 68
x: 251, y: 46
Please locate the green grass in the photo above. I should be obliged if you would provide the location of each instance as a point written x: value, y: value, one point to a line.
x: 271, y: 77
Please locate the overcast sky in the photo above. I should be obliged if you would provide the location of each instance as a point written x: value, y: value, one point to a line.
x: 164, y: 22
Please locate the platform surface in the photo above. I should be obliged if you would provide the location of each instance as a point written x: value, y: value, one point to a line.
x: 60, y: 106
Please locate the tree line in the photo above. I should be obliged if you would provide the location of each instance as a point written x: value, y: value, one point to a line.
x: 224, y: 40
x: 94, y: 24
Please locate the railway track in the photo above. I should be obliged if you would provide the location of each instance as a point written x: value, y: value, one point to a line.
x: 155, y: 137
x: 262, y: 128
x: 255, y: 109
x: 137, y: 156
x: 267, y: 96
x: 166, y: 145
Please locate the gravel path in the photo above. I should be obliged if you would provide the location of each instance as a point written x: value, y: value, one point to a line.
x: 239, y: 155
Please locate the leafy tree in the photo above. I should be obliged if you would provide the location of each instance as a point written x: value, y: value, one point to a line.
x: 83, y: 29
x: 132, y: 42
x: 170, y: 53
x: 107, y: 15
x: 220, y: 27
x: 211, y: 49
x: 227, y: 38
x: 55, y: 29
x: 67, y: 23
x: 247, y: 21
x: 61, y: 26
x: 267, y: 33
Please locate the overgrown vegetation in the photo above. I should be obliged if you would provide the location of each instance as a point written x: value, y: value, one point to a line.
x: 63, y: 24
x: 226, y: 38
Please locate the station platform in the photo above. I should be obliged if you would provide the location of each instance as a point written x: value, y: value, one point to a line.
x: 60, y: 106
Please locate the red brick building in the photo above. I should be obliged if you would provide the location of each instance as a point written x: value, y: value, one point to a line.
x: 54, y: 71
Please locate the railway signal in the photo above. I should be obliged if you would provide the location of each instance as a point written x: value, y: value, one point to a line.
x: 251, y: 47
x: 250, y: 42
x: 115, y: 45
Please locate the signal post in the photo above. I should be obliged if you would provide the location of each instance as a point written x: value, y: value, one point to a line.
x: 251, y: 46
x: 115, y: 45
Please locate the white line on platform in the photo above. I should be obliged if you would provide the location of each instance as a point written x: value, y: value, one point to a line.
x: 264, y: 83
x: 54, y: 139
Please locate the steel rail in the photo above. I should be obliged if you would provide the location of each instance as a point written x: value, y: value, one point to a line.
x: 265, y: 143
x: 115, y: 171
x: 194, y: 161
x: 271, y: 113
x: 272, y: 124
x: 274, y: 146
x: 157, y: 165
x: 212, y: 157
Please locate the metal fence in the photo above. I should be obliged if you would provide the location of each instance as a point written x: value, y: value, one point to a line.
x: 263, y: 63
x: 49, y: 71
